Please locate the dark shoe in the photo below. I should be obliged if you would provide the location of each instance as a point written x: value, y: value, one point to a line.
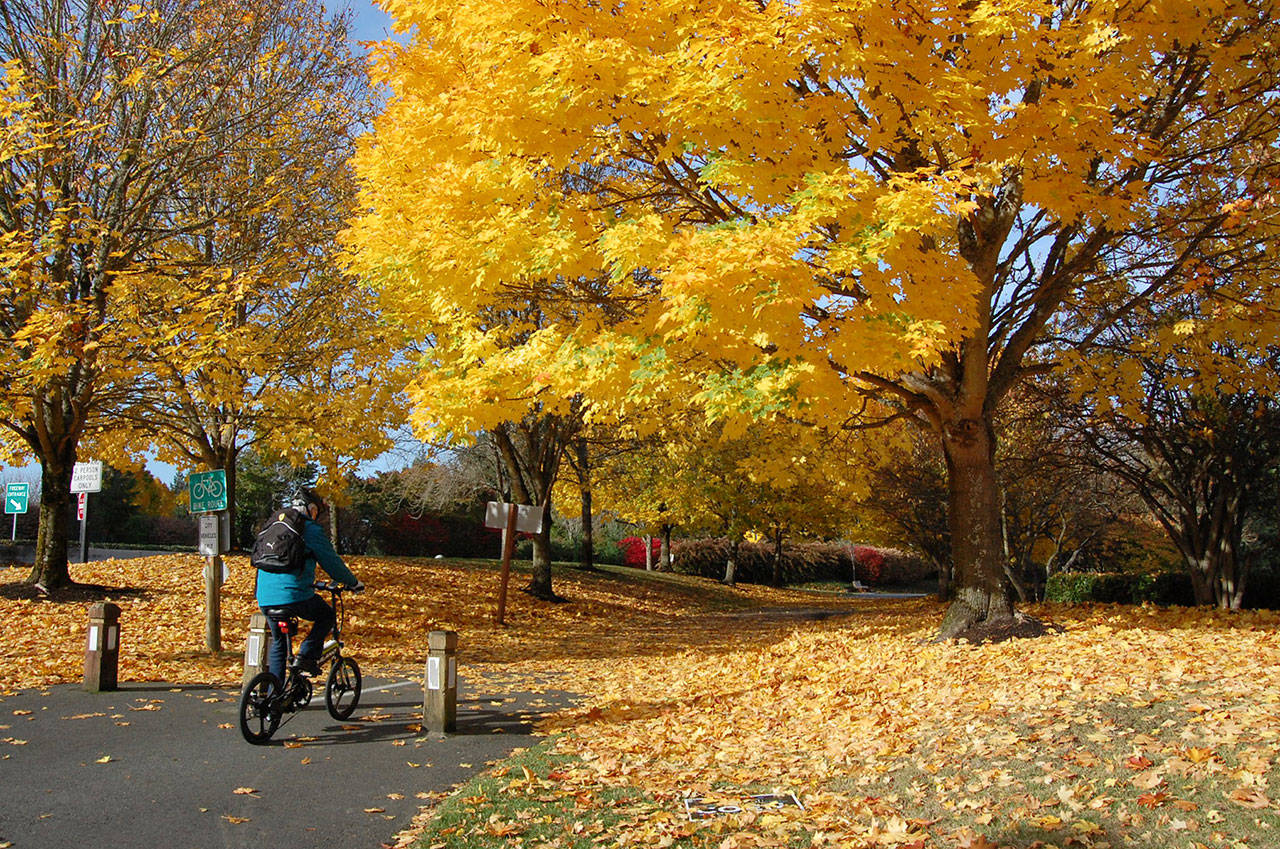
x: 307, y: 666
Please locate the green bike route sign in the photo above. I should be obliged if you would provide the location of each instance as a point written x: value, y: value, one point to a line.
x: 208, y: 491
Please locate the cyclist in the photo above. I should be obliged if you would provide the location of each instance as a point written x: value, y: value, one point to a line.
x: 293, y: 593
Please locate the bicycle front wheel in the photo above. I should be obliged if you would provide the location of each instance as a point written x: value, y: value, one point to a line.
x: 342, y: 692
x: 259, y: 711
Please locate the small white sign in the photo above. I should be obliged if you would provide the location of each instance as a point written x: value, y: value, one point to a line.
x: 93, y: 639
x: 212, y: 534
x: 87, y: 477
x: 528, y: 517
x: 254, y: 649
x: 433, y: 673
x: 113, y: 633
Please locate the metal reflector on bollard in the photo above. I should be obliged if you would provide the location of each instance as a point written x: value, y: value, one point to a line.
x: 102, y: 652
x: 440, y: 702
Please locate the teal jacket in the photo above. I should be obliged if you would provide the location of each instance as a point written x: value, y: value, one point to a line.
x: 277, y: 588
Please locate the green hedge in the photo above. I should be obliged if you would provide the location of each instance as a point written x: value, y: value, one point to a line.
x: 1164, y: 588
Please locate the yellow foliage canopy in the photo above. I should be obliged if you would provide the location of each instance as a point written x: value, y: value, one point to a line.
x: 834, y: 190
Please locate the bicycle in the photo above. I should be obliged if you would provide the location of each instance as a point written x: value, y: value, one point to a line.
x: 266, y: 699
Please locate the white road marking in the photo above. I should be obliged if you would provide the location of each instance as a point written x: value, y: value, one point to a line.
x: 392, y: 686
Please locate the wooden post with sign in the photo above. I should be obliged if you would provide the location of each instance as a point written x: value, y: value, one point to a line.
x: 511, y: 518
x: 213, y: 604
x: 508, y: 547
x: 208, y: 494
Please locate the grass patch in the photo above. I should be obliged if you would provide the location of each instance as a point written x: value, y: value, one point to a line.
x: 1121, y: 774
x: 537, y: 798
x: 525, y: 800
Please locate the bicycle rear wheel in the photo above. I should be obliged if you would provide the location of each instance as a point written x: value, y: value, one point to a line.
x: 342, y: 691
x: 259, y: 713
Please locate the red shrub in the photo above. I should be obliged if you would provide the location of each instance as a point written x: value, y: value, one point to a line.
x: 868, y: 564
x: 633, y: 551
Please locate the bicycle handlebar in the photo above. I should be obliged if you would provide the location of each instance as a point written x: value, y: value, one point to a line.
x: 334, y: 587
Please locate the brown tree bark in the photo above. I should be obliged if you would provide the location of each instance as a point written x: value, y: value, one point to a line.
x: 540, y: 583
x: 731, y: 565
x: 777, y: 558
x: 982, y: 594
x: 531, y: 451
x: 50, y: 570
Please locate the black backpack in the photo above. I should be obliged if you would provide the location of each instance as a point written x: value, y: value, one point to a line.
x: 280, y: 547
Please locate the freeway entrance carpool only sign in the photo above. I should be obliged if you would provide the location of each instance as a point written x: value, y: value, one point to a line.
x: 16, y: 496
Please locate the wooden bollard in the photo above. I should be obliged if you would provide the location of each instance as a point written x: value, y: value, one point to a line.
x: 255, y: 647
x: 440, y: 702
x: 102, y: 652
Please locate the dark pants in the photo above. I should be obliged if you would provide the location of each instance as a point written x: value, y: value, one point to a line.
x: 315, y: 609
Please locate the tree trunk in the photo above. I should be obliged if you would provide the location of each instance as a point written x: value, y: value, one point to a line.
x: 731, y: 566
x: 777, y: 559
x: 220, y: 456
x: 1208, y: 541
x: 944, y: 579
x: 664, y: 550
x: 587, y: 559
x: 1007, y: 557
x: 50, y: 570
x: 540, y: 583
x: 982, y: 592
x: 648, y: 552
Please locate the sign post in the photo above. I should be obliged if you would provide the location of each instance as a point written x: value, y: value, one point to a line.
x: 85, y: 478
x: 16, y: 496
x: 208, y: 493
x: 512, y: 518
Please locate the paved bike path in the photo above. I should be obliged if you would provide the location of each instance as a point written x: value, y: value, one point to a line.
x: 152, y: 765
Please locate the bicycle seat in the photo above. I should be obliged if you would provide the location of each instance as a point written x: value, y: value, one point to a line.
x: 277, y: 613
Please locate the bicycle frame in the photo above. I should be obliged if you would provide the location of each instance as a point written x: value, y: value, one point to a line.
x: 265, y: 699
x: 332, y: 651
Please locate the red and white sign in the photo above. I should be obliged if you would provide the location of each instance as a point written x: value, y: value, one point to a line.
x: 81, y: 501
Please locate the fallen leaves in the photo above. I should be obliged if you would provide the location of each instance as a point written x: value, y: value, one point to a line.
x: 1115, y: 727
x: 1249, y: 799
x: 41, y: 642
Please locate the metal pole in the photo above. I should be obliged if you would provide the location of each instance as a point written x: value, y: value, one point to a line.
x: 15, y: 527
x: 84, y: 530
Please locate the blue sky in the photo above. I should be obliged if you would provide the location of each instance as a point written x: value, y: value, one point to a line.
x: 371, y: 23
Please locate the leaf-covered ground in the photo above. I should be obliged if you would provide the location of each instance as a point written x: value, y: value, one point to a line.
x: 1135, y: 727
x: 607, y: 615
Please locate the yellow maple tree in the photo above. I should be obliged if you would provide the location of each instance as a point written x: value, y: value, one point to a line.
x: 253, y: 335
x: 864, y: 211
x: 147, y: 152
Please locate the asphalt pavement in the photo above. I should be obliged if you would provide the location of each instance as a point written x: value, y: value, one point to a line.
x: 155, y: 765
